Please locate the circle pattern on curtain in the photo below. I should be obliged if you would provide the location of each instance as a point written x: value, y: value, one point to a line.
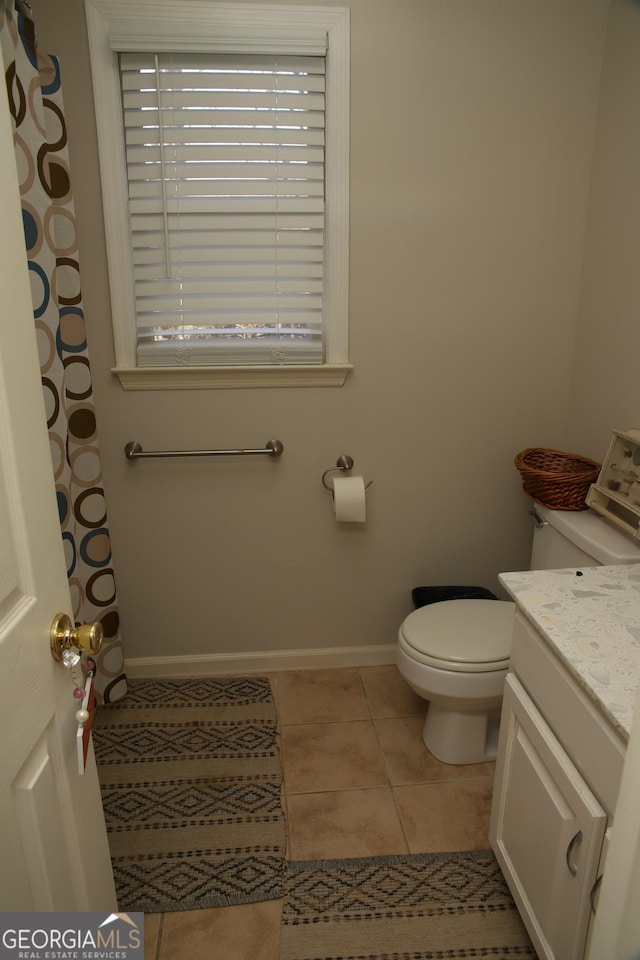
x: 35, y: 102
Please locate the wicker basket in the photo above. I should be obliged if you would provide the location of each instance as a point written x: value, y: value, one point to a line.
x: 556, y: 479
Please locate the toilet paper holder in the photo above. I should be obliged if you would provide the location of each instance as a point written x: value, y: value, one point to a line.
x: 343, y: 464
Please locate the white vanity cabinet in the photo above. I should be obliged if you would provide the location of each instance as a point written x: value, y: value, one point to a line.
x: 547, y: 830
x: 557, y: 776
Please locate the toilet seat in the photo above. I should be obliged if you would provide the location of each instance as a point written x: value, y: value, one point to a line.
x: 464, y: 636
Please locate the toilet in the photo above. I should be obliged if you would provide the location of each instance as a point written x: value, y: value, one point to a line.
x: 455, y: 653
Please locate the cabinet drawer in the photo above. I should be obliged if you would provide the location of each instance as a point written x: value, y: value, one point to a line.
x: 595, y: 747
x: 547, y: 829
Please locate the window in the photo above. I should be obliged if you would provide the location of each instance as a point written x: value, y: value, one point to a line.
x: 223, y: 135
x: 225, y: 164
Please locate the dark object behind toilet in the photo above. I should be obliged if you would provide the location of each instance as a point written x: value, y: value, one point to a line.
x: 425, y: 595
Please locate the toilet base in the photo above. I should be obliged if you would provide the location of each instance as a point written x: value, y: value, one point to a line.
x: 456, y: 737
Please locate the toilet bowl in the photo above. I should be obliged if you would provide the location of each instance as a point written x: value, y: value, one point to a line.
x: 455, y: 654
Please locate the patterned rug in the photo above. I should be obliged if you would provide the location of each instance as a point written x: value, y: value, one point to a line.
x: 414, y: 907
x: 191, y: 781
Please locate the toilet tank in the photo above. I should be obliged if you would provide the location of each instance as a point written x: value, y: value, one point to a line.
x: 578, y: 538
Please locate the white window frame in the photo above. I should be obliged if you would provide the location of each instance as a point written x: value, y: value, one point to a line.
x: 187, y: 22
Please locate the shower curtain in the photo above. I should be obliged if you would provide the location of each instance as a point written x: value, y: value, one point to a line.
x: 40, y: 139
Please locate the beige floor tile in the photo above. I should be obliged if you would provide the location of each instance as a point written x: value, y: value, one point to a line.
x: 228, y: 933
x: 331, y: 756
x: 409, y: 761
x: 152, y: 922
x: 351, y: 823
x: 440, y: 817
x: 312, y: 696
x: 388, y: 694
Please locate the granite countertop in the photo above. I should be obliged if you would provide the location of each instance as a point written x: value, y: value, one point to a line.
x: 590, y: 616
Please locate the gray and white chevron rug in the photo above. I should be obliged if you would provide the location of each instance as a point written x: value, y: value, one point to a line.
x: 191, y: 790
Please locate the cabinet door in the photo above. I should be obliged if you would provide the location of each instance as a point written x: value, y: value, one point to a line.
x: 547, y: 829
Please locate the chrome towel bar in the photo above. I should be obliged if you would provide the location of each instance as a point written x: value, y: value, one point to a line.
x: 133, y: 451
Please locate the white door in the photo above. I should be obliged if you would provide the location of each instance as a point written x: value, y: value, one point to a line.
x: 55, y: 854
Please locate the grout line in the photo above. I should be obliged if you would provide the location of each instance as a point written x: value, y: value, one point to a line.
x: 312, y: 793
x: 159, y: 940
x: 402, y: 826
x: 439, y: 780
x: 364, y: 692
x: 326, y: 722
x: 382, y: 753
x: 393, y: 792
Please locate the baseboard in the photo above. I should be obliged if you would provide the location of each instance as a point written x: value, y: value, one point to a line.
x: 260, y: 661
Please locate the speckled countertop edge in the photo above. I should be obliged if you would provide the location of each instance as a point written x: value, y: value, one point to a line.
x: 590, y: 616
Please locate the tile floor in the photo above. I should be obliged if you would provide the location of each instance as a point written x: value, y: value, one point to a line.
x: 358, y: 782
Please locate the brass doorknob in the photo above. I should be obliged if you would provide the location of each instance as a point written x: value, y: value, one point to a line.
x: 88, y: 637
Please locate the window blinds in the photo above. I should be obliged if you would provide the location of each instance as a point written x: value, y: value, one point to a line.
x: 225, y: 161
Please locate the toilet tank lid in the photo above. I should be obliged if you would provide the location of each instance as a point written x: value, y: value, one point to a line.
x: 592, y: 533
x: 464, y: 631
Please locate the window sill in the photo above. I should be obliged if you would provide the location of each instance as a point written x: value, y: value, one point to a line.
x: 213, y: 378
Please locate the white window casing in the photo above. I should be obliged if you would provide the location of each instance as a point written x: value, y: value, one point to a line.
x: 292, y: 304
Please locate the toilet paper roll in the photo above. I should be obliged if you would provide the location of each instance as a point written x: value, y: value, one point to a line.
x: 349, y: 499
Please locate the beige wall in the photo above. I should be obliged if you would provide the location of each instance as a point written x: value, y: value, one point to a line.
x: 467, y: 231
x: 606, y: 385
